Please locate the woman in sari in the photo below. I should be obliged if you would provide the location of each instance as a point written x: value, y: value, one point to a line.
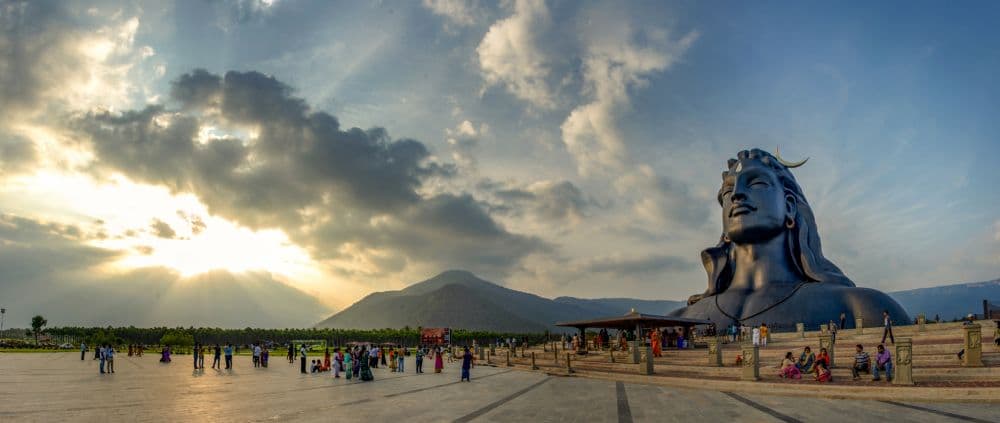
x: 348, y: 364
x: 788, y: 369
x: 654, y: 338
x: 326, y: 361
x: 822, y: 372
x: 438, y: 361
x: 357, y: 362
x: 823, y: 358
x: 392, y: 360
x: 366, y: 371
x: 807, y: 361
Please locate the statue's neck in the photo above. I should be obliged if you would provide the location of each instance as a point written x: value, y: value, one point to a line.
x: 764, y: 264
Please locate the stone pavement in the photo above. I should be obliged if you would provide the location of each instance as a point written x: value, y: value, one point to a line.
x: 60, y: 387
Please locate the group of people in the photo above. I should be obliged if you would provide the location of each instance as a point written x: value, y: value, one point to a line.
x: 105, y: 353
x: 357, y: 362
x: 756, y: 334
x: 807, y: 363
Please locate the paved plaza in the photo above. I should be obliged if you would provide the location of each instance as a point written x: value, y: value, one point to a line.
x: 61, y: 387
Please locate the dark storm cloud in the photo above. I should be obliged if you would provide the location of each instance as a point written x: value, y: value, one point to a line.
x: 162, y: 230
x: 48, y: 269
x: 16, y: 154
x: 553, y: 201
x: 649, y: 265
x: 34, y: 50
x: 326, y: 186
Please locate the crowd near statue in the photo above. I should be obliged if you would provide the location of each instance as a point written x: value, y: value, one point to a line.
x: 768, y: 265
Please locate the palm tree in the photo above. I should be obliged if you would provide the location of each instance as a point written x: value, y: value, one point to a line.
x: 37, y: 323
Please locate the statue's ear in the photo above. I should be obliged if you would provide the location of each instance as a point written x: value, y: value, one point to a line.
x: 791, y: 210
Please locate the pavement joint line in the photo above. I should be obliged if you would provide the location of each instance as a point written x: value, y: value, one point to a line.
x: 768, y: 410
x: 412, y: 391
x: 938, y: 412
x: 624, y: 411
x: 502, y: 401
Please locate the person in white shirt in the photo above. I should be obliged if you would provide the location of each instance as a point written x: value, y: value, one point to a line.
x: 256, y: 355
x: 756, y: 336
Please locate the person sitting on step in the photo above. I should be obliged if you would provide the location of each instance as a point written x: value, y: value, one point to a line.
x: 862, y: 362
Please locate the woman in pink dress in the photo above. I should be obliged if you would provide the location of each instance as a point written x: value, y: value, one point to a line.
x: 438, y: 361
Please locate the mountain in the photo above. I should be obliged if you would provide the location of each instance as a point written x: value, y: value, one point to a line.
x: 950, y: 301
x: 459, y: 299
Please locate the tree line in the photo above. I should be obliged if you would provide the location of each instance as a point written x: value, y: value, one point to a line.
x: 181, y: 336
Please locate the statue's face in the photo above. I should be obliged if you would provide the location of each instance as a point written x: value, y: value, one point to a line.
x: 753, y: 204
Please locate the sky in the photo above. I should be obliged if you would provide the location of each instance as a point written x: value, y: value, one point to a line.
x: 269, y: 162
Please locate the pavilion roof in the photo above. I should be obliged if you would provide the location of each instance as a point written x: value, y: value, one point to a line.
x: 632, y: 319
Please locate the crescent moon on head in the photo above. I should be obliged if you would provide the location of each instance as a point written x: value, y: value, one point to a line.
x: 790, y: 165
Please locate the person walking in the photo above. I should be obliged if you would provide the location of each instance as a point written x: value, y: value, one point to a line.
x: 83, y: 351
x: 201, y: 358
x: 109, y: 355
x: 400, y: 360
x: 216, y: 359
x: 366, y: 371
x: 256, y: 355
x: 763, y: 335
x: 348, y: 364
x: 466, y: 365
x: 197, y: 347
x: 291, y: 353
x: 843, y: 319
x: 887, y: 324
x: 100, y: 350
x: 756, y: 336
x: 302, y: 358
x: 438, y: 360
x: 419, y: 357
x: 229, y: 356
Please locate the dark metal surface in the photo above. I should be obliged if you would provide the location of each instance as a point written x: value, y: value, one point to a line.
x: 768, y: 266
x: 630, y: 320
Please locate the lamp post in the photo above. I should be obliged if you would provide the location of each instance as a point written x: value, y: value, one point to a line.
x: 2, y: 312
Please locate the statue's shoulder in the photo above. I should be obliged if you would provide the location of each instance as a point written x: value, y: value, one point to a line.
x: 859, y: 301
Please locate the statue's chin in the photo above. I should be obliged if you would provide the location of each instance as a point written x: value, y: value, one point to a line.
x: 754, y: 234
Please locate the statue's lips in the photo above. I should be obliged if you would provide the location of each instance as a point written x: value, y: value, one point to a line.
x: 741, y: 210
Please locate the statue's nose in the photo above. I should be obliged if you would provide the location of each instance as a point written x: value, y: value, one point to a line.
x: 739, y: 196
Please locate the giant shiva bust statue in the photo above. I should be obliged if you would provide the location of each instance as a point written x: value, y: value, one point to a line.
x: 768, y: 266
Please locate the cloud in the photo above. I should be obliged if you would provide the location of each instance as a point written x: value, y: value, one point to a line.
x: 656, y: 264
x: 463, y: 140
x: 354, y: 198
x: 460, y: 13
x: 554, y: 201
x: 613, y: 64
x: 16, y: 154
x: 510, y: 55
x: 162, y: 230
x: 51, y: 270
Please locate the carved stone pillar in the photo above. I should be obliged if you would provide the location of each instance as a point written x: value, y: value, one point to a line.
x: 569, y: 367
x: 921, y: 321
x: 636, y: 353
x: 801, y: 329
x: 508, y: 358
x: 533, y: 366
x: 714, y: 352
x: 903, y: 368
x: 859, y: 324
x: 648, y: 369
x: 826, y: 341
x: 751, y: 362
x: 973, y: 337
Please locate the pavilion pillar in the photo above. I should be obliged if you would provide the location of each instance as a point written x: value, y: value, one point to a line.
x: 904, y: 362
x: 714, y: 351
x: 533, y: 366
x: 569, y: 367
x: 973, y: 337
x: 859, y: 325
x: 921, y: 321
x: 801, y: 329
x: 751, y: 362
x: 508, y: 358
